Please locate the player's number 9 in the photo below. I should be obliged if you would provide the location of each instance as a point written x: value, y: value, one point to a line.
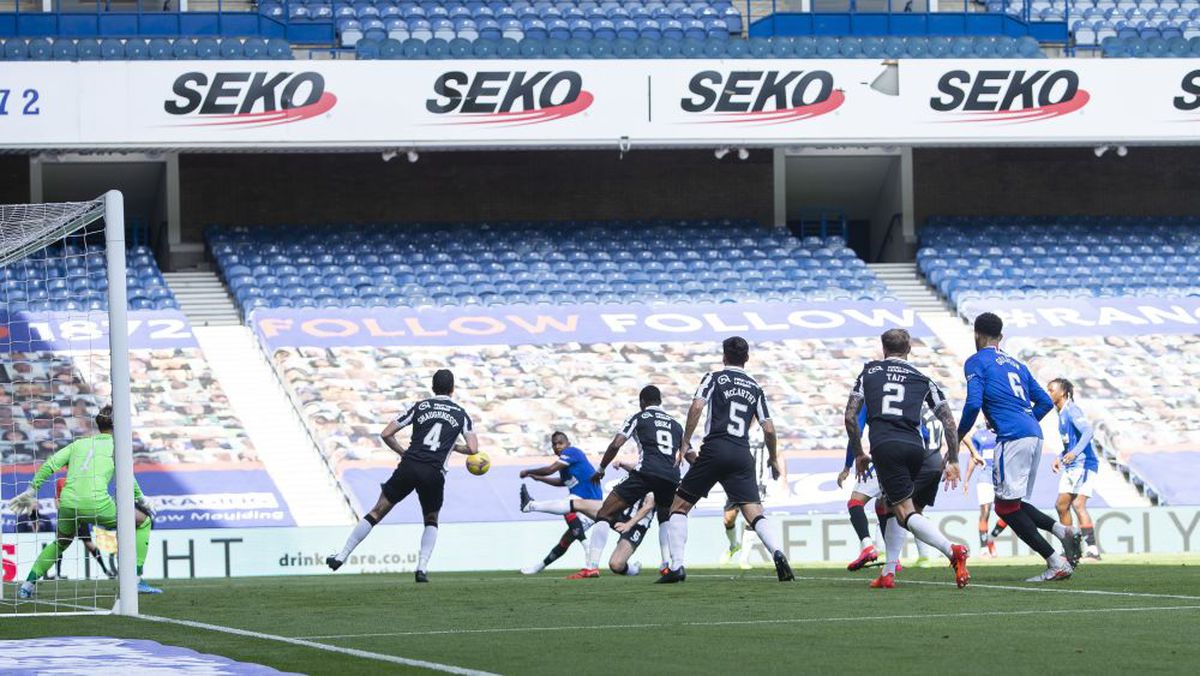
x: 893, y: 394
x: 737, y: 424
x: 665, y: 443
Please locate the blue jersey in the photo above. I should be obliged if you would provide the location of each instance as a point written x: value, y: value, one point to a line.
x: 985, y: 444
x: 1011, y: 400
x: 577, y: 475
x: 1076, y: 432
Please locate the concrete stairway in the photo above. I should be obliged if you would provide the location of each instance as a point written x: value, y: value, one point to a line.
x: 284, y: 445
x: 905, y: 282
x: 203, y: 298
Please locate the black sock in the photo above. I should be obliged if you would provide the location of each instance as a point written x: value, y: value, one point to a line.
x: 1039, y: 518
x: 999, y: 528
x: 559, y: 549
x: 883, y: 522
x: 983, y: 538
x: 858, y: 519
x: 1089, y: 534
x: 100, y: 560
x: 1023, y: 526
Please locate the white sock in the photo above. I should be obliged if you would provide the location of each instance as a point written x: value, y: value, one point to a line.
x: 922, y: 549
x: 924, y: 530
x: 1056, y: 560
x: 597, y: 538
x: 1060, y: 531
x: 361, y: 530
x: 664, y: 543
x: 428, y: 540
x: 893, y: 544
x: 731, y: 534
x: 747, y: 544
x: 763, y: 529
x: 677, y: 531
x: 561, y: 507
x: 866, y: 542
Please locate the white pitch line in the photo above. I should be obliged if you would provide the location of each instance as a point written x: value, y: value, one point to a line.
x: 796, y: 620
x: 394, y: 659
x: 1045, y: 588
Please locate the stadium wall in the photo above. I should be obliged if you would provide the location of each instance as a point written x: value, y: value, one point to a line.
x: 1149, y: 181
x: 14, y: 179
x: 471, y: 186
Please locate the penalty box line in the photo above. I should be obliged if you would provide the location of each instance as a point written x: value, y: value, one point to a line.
x: 795, y: 620
x: 304, y: 643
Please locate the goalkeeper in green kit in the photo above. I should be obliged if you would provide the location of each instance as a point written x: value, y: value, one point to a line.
x: 85, y: 499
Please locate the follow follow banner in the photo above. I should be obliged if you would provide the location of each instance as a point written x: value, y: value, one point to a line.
x: 550, y: 324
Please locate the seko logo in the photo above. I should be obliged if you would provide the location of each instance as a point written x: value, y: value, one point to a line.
x: 761, y: 96
x: 1009, y: 95
x: 508, y: 97
x: 246, y: 98
x: 1190, y: 99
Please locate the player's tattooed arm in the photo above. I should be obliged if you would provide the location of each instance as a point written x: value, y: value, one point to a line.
x: 950, y: 426
x: 389, y: 438
x: 469, y: 448
x: 861, y: 462
x: 693, y: 421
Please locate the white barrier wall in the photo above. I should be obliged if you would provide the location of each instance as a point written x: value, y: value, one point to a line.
x: 393, y: 548
x: 231, y: 104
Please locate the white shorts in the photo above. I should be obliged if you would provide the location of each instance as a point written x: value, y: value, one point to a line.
x: 1077, y: 481
x: 869, y: 488
x: 985, y: 493
x: 1015, y: 468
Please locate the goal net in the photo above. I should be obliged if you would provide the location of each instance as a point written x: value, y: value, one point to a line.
x: 63, y: 356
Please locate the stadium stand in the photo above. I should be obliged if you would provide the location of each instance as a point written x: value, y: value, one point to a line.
x: 633, y: 46
x: 972, y: 259
x: 74, y: 280
x: 140, y: 49
x: 1155, y: 46
x: 534, y: 263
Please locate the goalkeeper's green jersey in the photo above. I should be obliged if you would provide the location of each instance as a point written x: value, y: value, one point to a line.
x: 90, y: 467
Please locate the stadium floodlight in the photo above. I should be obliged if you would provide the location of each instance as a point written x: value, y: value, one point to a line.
x: 743, y: 154
x: 62, y: 274
x: 720, y: 153
x: 413, y: 156
x: 1100, y: 150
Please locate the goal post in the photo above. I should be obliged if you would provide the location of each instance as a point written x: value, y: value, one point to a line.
x: 56, y: 375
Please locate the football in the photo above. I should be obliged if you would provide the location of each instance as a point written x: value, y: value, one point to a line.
x: 479, y: 463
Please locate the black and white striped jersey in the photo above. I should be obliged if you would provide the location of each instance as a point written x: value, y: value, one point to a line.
x: 895, y: 394
x: 658, y: 437
x: 734, y: 400
x: 436, y: 423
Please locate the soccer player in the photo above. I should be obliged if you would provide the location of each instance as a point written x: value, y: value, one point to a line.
x: 637, y: 518
x: 83, y: 534
x: 437, y: 424
x: 732, y: 400
x: 1014, y: 403
x: 983, y: 454
x: 1078, y: 463
x: 893, y: 391
x: 574, y: 472
x: 85, y: 500
x: 735, y: 532
x: 866, y: 489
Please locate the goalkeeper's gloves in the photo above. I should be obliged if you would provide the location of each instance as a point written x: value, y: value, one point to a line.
x: 24, y: 503
x: 144, y: 507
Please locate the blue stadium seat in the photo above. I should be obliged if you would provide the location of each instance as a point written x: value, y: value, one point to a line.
x: 63, y: 50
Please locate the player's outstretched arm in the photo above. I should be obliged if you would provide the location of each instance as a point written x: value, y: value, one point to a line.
x: 549, y: 480
x: 610, y: 454
x: 472, y: 445
x: 552, y: 468
x: 693, y: 421
x: 972, y: 405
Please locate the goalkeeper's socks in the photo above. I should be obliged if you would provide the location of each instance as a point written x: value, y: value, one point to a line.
x: 428, y: 540
x: 356, y: 536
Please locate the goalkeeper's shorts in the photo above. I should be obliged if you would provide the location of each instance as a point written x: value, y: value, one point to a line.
x: 71, y: 517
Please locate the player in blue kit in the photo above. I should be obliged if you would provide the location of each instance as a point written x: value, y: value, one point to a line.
x: 574, y: 472
x: 1077, y: 463
x: 1013, y: 404
x: 983, y: 456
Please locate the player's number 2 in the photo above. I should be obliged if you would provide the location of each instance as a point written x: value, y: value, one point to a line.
x: 434, y: 439
x: 893, y: 394
x: 664, y: 442
x: 737, y: 424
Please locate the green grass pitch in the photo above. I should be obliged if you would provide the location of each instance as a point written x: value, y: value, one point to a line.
x: 1108, y: 619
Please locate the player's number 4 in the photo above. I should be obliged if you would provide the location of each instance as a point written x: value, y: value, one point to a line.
x: 434, y: 439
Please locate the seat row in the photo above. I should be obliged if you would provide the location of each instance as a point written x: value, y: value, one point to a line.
x: 138, y: 49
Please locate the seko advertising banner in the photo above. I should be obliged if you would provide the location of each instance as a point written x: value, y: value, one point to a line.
x: 232, y: 104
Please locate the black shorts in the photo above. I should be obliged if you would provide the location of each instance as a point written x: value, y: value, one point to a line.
x: 730, y: 466
x: 427, y: 480
x: 635, y: 535
x: 907, y: 471
x: 637, y: 485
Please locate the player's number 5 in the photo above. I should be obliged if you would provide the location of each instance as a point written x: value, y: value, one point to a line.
x: 737, y: 424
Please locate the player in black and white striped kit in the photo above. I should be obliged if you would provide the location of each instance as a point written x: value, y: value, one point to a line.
x: 437, y: 424
x: 732, y: 400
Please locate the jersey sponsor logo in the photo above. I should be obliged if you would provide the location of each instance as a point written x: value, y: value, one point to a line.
x: 423, y: 406
x: 722, y: 380
x: 874, y: 369
x: 1014, y: 96
x: 243, y: 98
x: 511, y: 98
x: 761, y: 96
